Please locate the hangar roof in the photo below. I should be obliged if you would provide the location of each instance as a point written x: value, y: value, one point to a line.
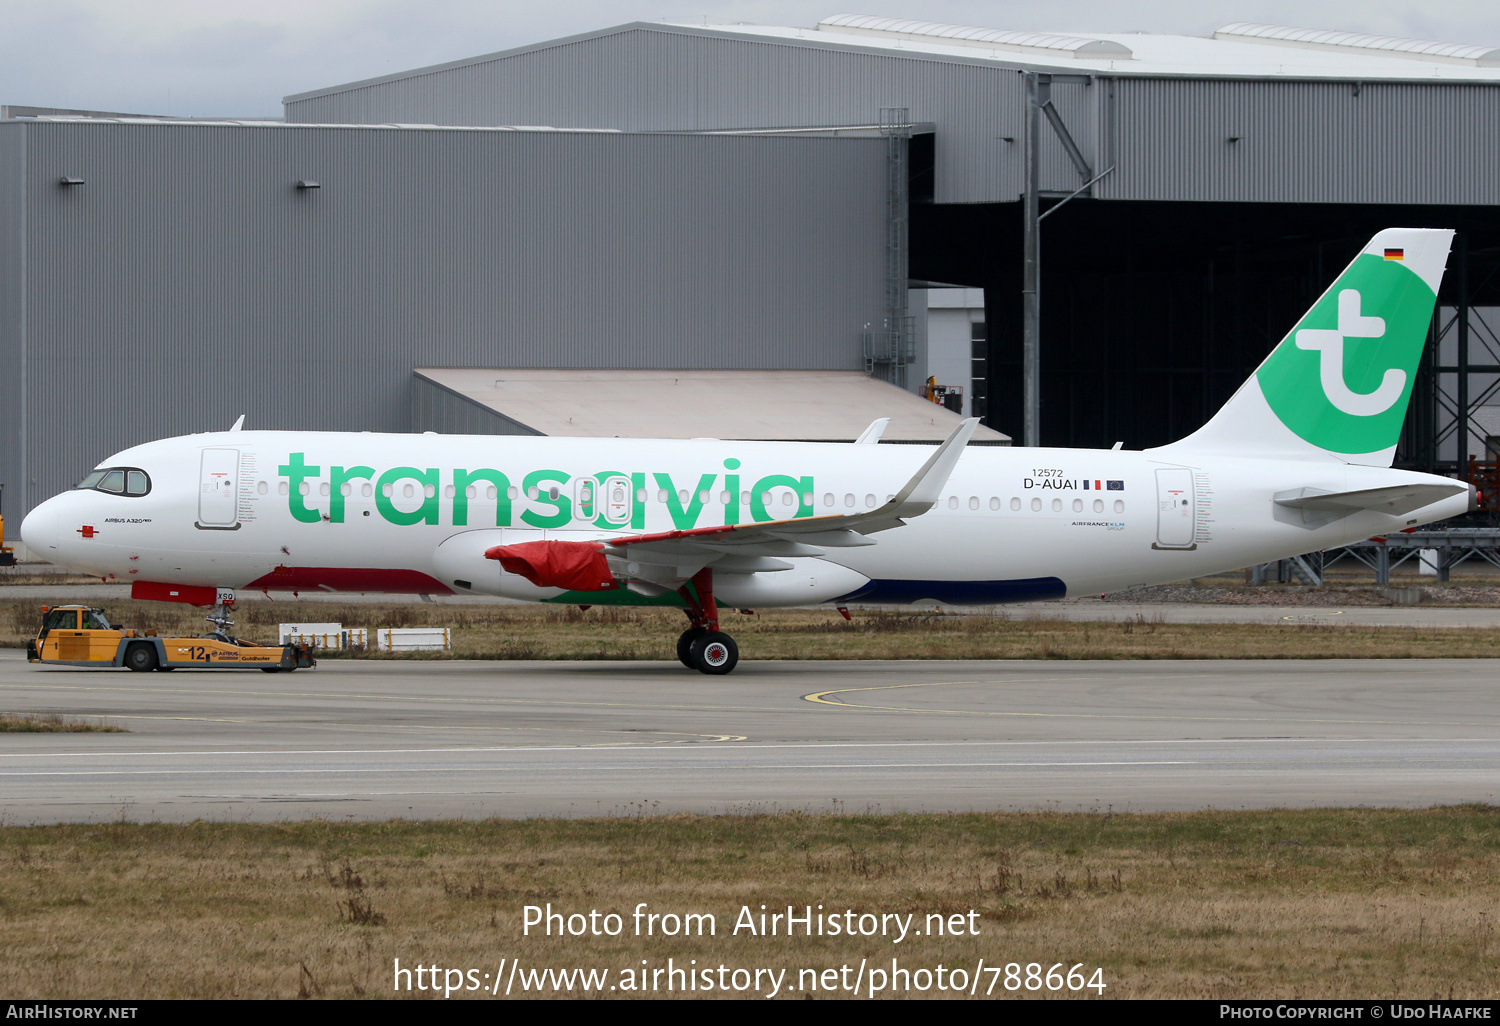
x: 826, y: 405
x: 1239, y: 50
x: 1255, y: 114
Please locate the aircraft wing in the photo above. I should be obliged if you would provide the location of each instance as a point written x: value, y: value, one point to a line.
x: 666, y: 559
x: 674, y: 556
x: 1394, y: 500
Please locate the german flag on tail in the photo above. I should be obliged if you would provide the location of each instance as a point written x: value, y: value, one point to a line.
x: 1395, y: 254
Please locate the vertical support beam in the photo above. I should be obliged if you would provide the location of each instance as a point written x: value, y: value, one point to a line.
x: 23, y: 326
x: 897, y: 350
x: 1038, y: 90
x: 1383, y: 565
x: 1461, y: 429
x: 1433, y: 409
x: 1417, y: 447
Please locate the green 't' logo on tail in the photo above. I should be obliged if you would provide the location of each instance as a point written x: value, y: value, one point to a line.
x: 1342, y: 378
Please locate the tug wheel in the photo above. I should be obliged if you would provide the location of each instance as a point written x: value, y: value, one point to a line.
x: 715, y: 653
x: 140, y: 658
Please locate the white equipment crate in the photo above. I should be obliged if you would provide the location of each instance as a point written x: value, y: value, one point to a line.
x: 413, y: 639
x: 323, y: 635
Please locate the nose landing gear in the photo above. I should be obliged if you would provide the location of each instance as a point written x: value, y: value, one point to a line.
x: 703, y: 647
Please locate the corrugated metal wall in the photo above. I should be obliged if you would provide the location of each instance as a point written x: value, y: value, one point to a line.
x: 662, y: 78
x: 13, y: 399
x: 188, y: 281
x: 1301, y: 141
x: 435, y: 408
x: 1305, y: 142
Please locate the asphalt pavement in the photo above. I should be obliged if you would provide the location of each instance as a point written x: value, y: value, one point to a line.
x: 374, y: 740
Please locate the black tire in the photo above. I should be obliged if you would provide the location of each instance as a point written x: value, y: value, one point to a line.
x: 685, y: 646
x: 715, y: 653
x: 140, y: 658
x: 270, y: 669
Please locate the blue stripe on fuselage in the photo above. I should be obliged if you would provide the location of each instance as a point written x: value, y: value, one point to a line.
x: 959, y: 593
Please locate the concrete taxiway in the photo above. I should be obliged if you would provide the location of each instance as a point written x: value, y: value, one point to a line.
x: 434, y: 739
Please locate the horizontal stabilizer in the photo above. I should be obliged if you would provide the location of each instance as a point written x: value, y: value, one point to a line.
x: 1395, y: 500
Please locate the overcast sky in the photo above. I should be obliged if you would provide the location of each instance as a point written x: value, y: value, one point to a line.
x: 239, y: 58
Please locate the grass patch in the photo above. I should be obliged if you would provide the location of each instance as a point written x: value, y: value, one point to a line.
x: 23, y: 576
x: 1313, y: 903
x: 52, y: 723
x: 616, y: 632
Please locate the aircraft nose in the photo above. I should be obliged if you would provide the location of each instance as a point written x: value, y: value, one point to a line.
x: 40, y: 532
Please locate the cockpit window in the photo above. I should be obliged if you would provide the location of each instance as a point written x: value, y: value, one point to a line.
x: 118, y: 481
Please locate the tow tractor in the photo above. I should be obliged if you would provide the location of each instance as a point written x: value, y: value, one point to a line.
x: 82, y: 636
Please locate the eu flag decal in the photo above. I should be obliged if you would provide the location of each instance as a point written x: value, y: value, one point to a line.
x: 1116, y: 486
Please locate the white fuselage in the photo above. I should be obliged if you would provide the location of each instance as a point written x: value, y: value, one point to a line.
x: 299, y: 511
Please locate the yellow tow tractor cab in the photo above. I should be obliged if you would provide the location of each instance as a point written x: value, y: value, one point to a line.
x: 81, y: 636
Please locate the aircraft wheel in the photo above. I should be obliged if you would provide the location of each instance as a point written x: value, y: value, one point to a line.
x: 685, y: 646
x: 715, y: 653
x: 140, y: 658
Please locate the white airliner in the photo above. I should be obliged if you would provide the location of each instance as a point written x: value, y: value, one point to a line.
x: 1298, y: 460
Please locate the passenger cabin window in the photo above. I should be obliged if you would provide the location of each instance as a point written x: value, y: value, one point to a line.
x: 117, y: 481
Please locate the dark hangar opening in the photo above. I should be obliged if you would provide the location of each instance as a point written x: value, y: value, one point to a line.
x: 1154, y: 313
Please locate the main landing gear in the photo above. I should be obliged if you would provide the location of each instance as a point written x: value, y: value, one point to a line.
x: 703, y: 647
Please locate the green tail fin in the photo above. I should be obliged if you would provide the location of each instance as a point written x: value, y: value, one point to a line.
x: 1339, y: 383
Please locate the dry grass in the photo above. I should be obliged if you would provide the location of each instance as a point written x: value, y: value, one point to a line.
x: 615, y: 632
x: 1322, y: 903
x: 52, y: 723
x: 26, y: 575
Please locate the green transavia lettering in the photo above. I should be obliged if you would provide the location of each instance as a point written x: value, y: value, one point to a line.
x: 486, y: 497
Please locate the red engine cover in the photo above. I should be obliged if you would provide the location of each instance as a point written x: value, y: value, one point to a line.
x: 572, y: 566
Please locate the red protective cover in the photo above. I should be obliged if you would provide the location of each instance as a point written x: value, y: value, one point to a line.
x: 573, y: 566
x: 194, y: 594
